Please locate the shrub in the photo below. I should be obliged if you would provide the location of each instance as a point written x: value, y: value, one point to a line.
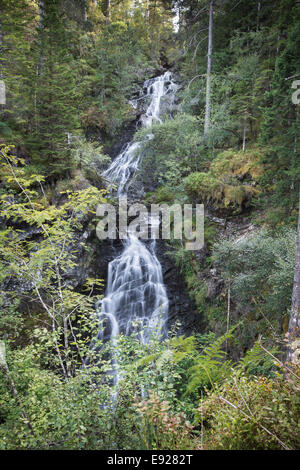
x: 251, y: 413
x: 230, y: 182
x: 175, y: 149
x: 159, y: 428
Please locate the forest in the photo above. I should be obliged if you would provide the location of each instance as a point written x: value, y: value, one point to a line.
x: 113, y: 344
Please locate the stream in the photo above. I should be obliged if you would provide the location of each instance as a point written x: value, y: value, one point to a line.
x: 136, y: 300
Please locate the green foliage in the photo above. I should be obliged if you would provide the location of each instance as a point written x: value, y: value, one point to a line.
x: 174, y: 150
x: 88, y: 157
x: 253, y: 67
x: 209, y: 368
x: 163, y: 194
x: 230, y: 181
x: 260, y: 266
x: 53, y: 255
x: 192, y: 271
x: 251, y: 413
x: 281, y: 122
x: 66, y: 67
x: 71, y: 70
x: 257, y: 362
x: 161, y: 429
x: 76, y: 412
x: 62, y: 415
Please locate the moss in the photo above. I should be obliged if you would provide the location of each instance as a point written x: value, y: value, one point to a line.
x: 239, y: 164
x: 230, y: 181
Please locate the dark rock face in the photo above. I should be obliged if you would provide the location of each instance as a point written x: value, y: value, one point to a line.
x: 82, y: 248
x: 114, y: 148
x: 104, y: 252
x: 181, y: 307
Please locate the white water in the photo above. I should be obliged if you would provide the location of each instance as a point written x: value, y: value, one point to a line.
x: 136, y: 300
x: 123, y: 168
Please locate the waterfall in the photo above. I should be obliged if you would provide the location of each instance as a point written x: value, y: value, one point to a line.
x: 136, y: 300
x: 125, y: 165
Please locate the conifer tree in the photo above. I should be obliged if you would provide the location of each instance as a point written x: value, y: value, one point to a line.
x: 54, y: 91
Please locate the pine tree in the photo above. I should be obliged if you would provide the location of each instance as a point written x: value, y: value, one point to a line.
x: 53, y: 92
x: 281, y: 122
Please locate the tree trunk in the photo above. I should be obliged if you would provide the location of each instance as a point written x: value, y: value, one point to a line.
x: 294, y: 324
x: 2, y: 85
x: 208, y: 73
x: 258, y: 14
x: 107, y: 11
x: 244, y: 135
x: 41, y: 13
x: 147, y: 11
x: 228, y: 312
x: 1, y: 51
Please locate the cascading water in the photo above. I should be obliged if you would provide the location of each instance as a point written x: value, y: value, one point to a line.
x: 125, y: 165
x: 136, y: 298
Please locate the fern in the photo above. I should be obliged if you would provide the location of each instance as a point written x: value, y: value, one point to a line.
x: 210, y: 367
x: 257, y: 361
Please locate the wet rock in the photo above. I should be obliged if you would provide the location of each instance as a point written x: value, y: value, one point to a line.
x: 181, y: 307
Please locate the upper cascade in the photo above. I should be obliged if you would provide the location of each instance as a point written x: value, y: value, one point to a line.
x: 123, y: 168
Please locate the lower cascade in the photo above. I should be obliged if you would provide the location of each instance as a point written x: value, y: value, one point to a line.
x: 136, y: 300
